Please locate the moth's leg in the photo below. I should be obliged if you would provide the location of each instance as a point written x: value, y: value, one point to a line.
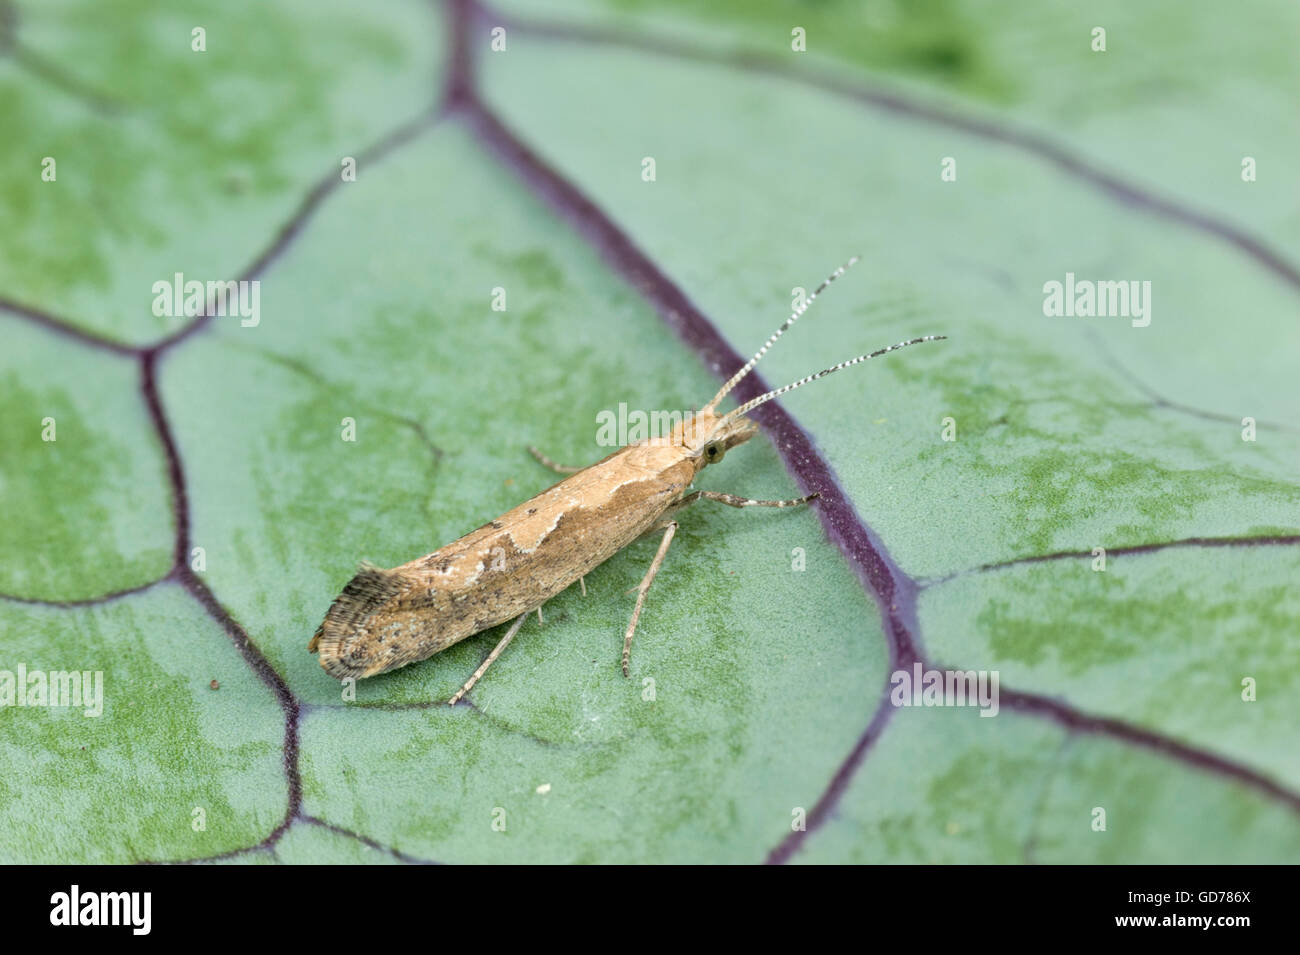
x: 582, y: 582
x: 733, y: 500
x: 496, y: 652
x: 547, y: 462
x: 671, y: 529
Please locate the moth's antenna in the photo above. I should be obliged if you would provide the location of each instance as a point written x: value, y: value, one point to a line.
x: 755, y: 402
x: 794, y: 317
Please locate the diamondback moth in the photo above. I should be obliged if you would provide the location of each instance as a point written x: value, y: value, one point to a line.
x: 510, y: 567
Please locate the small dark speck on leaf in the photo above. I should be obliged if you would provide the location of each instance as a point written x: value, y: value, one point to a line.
x: 215, y: 685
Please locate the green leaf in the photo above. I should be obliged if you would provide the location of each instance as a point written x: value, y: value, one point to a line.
x: 201, y: 502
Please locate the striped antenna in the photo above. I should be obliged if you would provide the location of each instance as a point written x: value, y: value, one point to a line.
x: 755, y: 402
x: 794, y: 317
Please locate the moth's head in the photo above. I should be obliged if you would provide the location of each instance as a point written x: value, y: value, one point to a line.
x: 708, y: 436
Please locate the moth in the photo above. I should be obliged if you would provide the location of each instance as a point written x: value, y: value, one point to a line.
x: 510, y: 567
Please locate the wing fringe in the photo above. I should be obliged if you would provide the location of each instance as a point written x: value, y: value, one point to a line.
x: 369, y: 589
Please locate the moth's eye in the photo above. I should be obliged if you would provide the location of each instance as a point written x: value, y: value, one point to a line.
x: 712, y: 452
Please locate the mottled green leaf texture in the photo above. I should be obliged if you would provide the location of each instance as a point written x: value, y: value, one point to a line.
x: 456, y: 230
